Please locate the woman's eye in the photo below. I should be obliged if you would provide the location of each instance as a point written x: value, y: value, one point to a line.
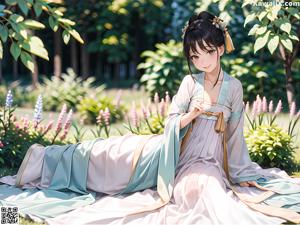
x: 211, y: 51
x: 194, y: 57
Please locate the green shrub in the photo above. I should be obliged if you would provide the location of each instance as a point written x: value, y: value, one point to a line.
x: 23, y: 96
x: 90, y: 106
x: 271, y: 146
x: 164, y: 68
x: 68, y: 89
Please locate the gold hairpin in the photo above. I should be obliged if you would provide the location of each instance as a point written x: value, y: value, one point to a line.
x: 218, y: 22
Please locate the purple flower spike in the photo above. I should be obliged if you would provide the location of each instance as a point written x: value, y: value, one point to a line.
x: 9, y: 99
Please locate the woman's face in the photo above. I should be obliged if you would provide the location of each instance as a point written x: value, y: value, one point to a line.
x: 206, y: 61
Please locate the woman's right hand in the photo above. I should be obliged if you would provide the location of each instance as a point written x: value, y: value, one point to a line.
x: 197, y: 109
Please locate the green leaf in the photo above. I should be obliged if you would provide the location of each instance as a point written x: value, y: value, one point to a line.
x: 273, y: 43
x: 66, y: 36
x: 2, y: 7
x: 249, y: 18
x: 19, y: 30
x: 66, y: 21
x: 58, y: 12
x: 293, y: 37
x: 23, y: 6
x: 286, y: 26
x: 3, y: 33
x: 262, y: 15
x: 76, y: 35
x: 261, y: 41
x: 16, y: 18
x: 287, y: 43
x: 253, y: 29
x: 11, y: 2
x: 15, y: 50
x: 261, y: 30
x: 294, y: 12
x: 35, y: 46
x: 273, y: 12
x: 27, y: 61
x: 37, y: 9
x: 53, y: 23
x: 33, y: 24
x: 1, y: 50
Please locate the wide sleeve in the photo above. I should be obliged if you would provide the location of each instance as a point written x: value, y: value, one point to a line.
x: 180, y: 102
x: 241, y: 168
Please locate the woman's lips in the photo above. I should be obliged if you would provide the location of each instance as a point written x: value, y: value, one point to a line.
x: 206, y: 67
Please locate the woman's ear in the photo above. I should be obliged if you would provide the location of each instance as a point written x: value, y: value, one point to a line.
x: 221, y: 50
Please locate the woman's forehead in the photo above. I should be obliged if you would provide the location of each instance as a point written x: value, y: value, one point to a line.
x: 198, y: 49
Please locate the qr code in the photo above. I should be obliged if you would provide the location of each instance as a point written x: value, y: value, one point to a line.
x: 9, y: 215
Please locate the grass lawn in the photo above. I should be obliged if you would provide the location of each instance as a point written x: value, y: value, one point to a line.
x: 127, y: 97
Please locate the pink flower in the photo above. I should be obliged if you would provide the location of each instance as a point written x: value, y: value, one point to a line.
x: 271, y: 106
x: 254, y: 109
x: 156, y: 98
x: 293, y: 109
x: 167, y: 98
x: 60, y: 118
x: 99, y: 117
x: 106, y: 116
x: 68, y: 120
x: 278, y: 108
x: 49, y: 126
x: 247, y: 107
x: 17, y: 125
x: 264, y: 104
x: 298, y: 114
x: 162, y: 107
x: 259, y: 105
x: 1, y: 144
x: 134, y: 115
x: 149, y: 106
x: 63, y: 136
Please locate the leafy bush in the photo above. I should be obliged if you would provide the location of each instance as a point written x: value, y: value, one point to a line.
x: 269, y: 145
x: 68, y: 89
x: 16, y: 136
x: 23, y: 96
x: 90, y: 106
x: 164, y: 68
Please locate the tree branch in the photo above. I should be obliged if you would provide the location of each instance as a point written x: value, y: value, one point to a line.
x: 296, y: 49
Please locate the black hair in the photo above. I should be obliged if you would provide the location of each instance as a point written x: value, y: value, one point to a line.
x: 198, y: 30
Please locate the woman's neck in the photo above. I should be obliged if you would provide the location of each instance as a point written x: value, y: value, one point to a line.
x: 213, y: 75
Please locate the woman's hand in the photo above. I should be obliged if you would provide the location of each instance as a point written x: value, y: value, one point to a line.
x: 197, y: 109
x: 248, y: 184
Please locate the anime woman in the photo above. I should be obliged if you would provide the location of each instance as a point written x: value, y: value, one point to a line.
x: 197, y: 172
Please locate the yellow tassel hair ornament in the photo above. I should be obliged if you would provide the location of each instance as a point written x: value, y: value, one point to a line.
x: 228, y: 41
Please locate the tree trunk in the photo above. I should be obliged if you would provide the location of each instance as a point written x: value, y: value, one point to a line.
x: 290, y: 90
x: 15, y: 70
x: 57, y: 53
x: 137, y: 47
x: 34, y: 75
x: 85, y: 61
x: 116, y: 72
x: 74, y: 62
